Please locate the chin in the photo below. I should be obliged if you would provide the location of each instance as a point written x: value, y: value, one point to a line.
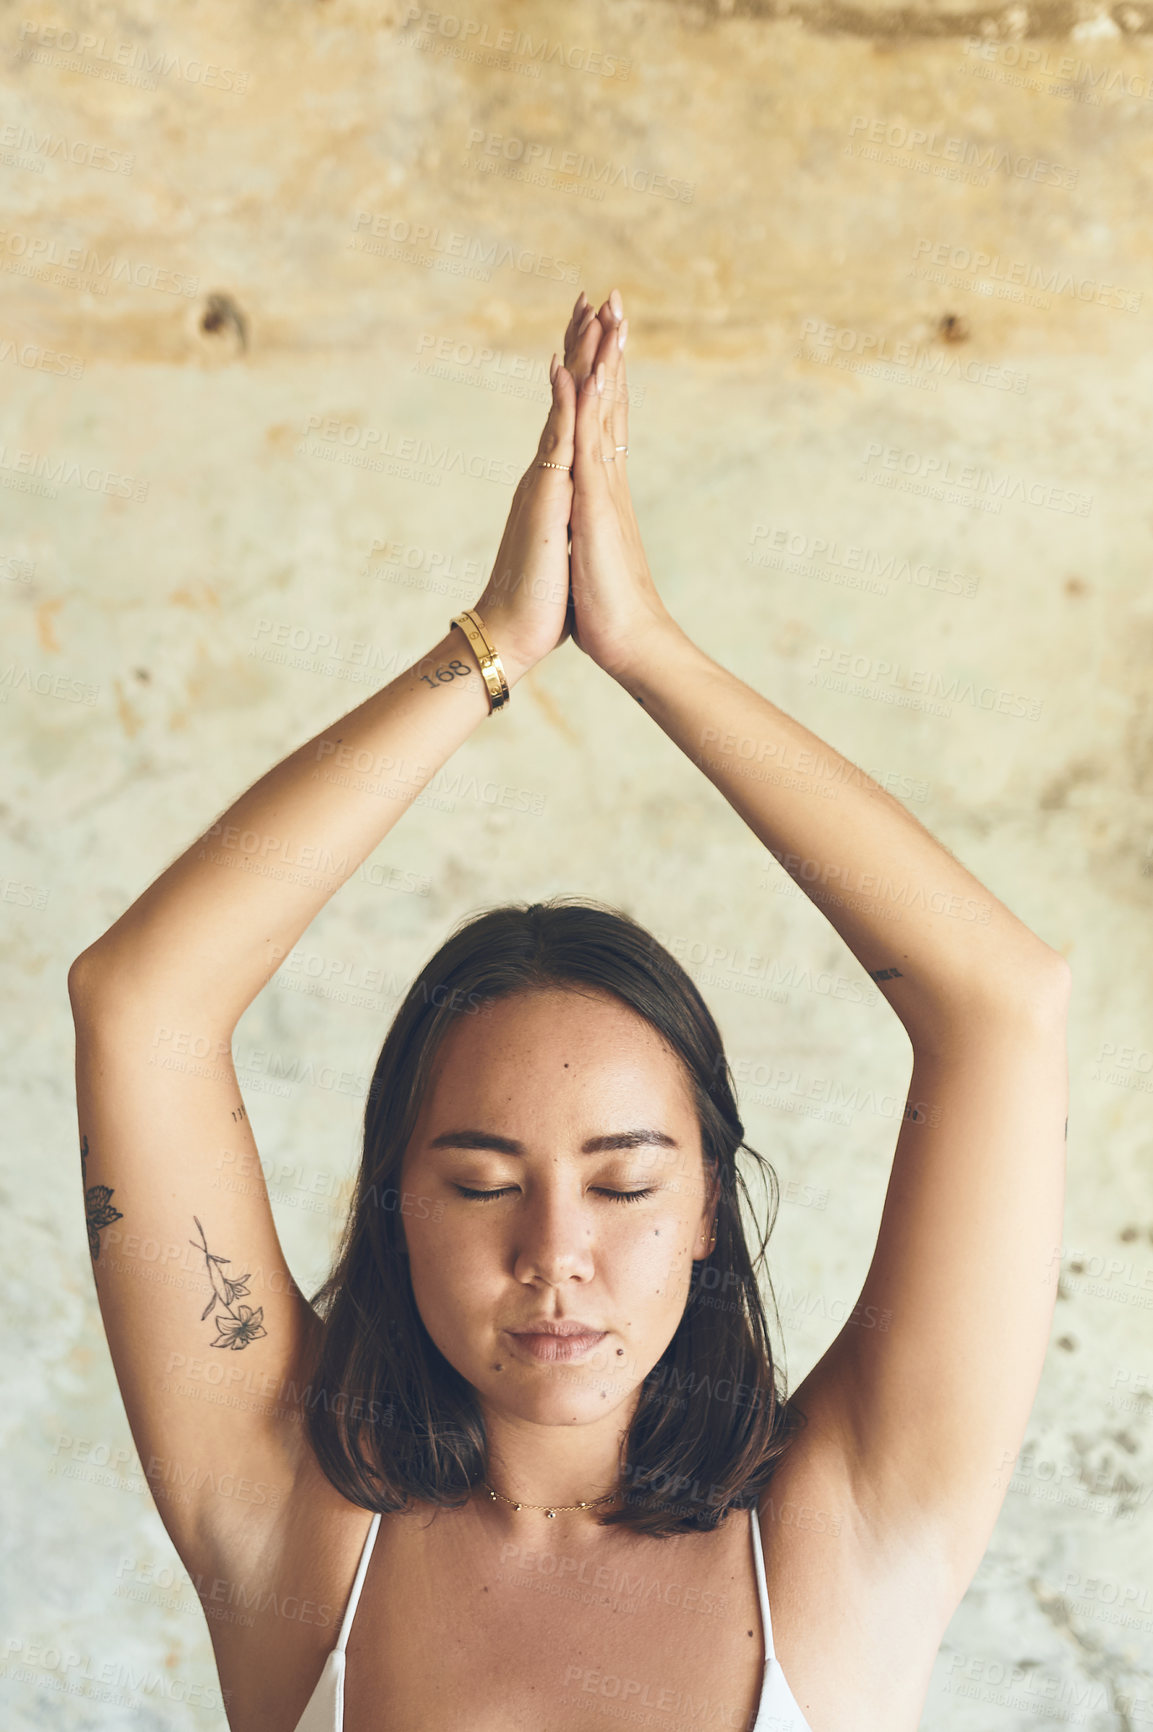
x: 562, y: 1396
x: 580, y: 1391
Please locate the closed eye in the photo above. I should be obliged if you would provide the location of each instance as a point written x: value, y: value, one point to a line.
x: 505, y: 1190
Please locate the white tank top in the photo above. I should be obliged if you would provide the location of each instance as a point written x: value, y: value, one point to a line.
x: 777, y: 1710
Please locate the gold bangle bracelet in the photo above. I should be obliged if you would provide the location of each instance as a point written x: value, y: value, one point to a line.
x: 491, y: 666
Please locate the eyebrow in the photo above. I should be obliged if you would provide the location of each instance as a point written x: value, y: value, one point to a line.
x: 466, y: 1139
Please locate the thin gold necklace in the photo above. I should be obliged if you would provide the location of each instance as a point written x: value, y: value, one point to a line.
x: 550, y: 1510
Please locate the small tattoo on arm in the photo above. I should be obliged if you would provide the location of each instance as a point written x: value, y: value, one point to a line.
x: 451, y: 671
x: 237, y: 1325
x: 237, y: 1113
x: 98, y: 1208
x: 886, y: 974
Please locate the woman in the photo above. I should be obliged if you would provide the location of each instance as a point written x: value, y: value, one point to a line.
x: 522, y: 1462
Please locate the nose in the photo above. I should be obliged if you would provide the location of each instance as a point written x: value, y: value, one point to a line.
x: 552, y: 1237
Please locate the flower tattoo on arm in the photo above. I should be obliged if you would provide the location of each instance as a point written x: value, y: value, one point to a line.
x: 236, y: 1325
x: 98, y: 1208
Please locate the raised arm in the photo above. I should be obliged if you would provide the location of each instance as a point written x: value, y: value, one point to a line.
x: 189, y: 1270
x: 930, y: 1412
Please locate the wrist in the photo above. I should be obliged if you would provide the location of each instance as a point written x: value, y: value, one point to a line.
x: 513, y: 662
x: 515, y: 666
x: 651, y: 654
x: 519, y: 643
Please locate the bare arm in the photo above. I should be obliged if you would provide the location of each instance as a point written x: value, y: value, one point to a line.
x: 208, y: 1330
x: 217, y: 923
x: 934, y: 939
x: 941, y: 948
x: 926, y: 1411
x: 933, y: 1406
x: 214, y: 927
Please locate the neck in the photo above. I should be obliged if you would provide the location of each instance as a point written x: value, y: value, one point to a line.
x: 552, y: 1466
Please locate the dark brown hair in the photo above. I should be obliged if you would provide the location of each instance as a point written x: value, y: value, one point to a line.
x: 710, y: 1424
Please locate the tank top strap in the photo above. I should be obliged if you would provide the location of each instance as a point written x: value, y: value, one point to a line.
x: 762, y: 1585
x: 357, y: 1583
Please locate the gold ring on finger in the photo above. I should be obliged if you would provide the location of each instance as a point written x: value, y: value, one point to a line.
x: 545, y: 464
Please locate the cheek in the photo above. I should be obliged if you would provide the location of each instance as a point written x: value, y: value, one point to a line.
x: 650, y: 1261
x: 456, y: 1273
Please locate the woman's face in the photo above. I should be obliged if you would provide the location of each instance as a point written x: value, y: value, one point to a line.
x: 575, y: 1122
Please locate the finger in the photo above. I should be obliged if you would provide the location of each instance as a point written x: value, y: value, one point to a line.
x: 575, y: 317
x: 556, y: 442
x: 614, y: 395
x: 588, y: 469
x: 620, y: 421
x: 583, y: 348
x: 565, y: 400
x: 570, y: 338
x: 608, y: 366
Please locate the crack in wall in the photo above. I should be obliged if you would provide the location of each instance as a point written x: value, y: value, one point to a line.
x: 1059, y: 19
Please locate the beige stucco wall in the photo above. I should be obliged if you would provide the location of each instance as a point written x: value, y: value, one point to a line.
x: 351, y: 180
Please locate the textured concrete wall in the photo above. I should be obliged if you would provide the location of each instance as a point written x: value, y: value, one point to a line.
x: 892, y: 295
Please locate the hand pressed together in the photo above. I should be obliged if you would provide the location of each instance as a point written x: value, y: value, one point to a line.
x: 601, y: 592
x: 615, y: 606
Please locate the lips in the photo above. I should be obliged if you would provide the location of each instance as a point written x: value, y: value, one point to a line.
x: 557, y: 1326
x: 550, y: 1340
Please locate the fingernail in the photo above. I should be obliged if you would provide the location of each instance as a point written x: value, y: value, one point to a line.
x: 600, y: 378
x: 623, y: 334
x: 552, y: 371
x: 617, y: 305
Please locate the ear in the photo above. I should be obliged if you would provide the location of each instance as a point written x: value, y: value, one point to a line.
x: 704, y: 1245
